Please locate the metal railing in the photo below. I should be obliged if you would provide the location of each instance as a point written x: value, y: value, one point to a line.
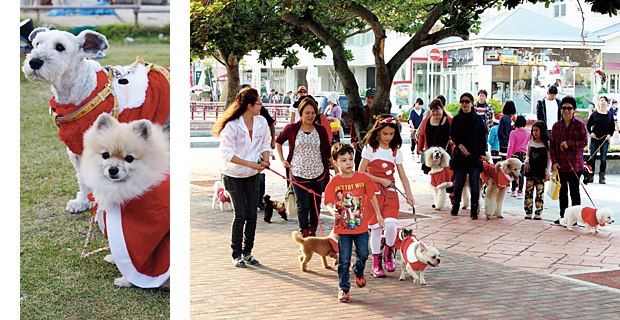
x: 204, y: 114
x: 136, y: 7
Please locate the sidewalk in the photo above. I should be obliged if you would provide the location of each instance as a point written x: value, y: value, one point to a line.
x: 501, y: 268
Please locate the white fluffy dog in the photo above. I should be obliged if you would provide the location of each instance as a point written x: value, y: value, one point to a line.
x: 83, y: 89
x: 221, y: 196
x: 497, y: 178
x: 592, y: 218
x: 127, y: 165
x: 438, y: 160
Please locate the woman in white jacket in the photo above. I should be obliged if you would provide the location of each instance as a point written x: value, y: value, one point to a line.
x: 244, y: 139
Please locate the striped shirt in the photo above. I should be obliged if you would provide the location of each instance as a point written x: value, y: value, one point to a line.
x: 576, y: 137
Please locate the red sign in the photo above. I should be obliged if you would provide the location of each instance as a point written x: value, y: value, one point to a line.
x: 435, y: 55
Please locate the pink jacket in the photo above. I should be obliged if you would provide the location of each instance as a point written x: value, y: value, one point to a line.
x: 518, y: 141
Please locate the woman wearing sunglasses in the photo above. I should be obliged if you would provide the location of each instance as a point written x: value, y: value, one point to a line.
x: 568, y: 138
x: 468, y: 132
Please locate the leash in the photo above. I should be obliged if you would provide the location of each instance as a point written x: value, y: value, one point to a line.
x: 85, y: 255
x: 310, y: 191
x: 593, y: 154
x: 577, y: 176
x: 415, y: 216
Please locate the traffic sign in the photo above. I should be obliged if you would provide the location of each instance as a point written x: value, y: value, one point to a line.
x: 434, y: 54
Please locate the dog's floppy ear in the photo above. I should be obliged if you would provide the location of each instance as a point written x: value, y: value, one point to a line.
x: 143, y: 128
x: 36, y: 31
x: 445, y: 159
x: 92, y: 42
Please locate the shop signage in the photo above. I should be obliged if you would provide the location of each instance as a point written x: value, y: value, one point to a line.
x: 540, y: 57
x: 458, y: 58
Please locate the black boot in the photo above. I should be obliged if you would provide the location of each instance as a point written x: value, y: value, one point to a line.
x: 455, y: 209
x: 474, y: 211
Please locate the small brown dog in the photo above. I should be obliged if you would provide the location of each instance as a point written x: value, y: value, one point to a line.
x: 323, y: 246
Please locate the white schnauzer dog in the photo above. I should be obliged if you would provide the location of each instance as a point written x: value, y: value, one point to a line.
x: 83, y: 89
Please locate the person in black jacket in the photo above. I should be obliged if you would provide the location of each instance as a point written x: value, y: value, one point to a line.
x: 600, y: 127
x: 469, y: 134
x: 545, y: 106
x: 505, y: 127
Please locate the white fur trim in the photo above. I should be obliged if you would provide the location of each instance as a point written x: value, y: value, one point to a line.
x: 135, y: 90
x: 121, y: 255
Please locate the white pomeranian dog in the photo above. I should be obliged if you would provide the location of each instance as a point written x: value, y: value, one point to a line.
x: 127, y: 166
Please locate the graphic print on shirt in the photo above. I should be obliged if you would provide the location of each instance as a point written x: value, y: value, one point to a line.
x: 349, y: 206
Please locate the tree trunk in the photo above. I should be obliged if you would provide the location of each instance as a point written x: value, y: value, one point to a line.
x: 232, y: 71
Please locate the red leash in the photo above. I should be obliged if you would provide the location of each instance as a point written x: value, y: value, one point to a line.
x: 310, y: 191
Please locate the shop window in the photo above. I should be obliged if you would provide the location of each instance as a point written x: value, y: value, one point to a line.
x: 613, y: 80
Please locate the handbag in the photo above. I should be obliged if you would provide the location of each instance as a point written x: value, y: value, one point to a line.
x: 552, y: 187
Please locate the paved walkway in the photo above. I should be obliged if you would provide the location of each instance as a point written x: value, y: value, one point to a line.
x: 501, y: 268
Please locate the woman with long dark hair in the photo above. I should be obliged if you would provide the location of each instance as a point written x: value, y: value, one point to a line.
x: 244, y: 139
x: 469, y: 134
x: 505, y: 127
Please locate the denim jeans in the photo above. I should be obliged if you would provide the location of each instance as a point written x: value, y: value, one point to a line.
x: 244, y: 198
x: 569, y: 183
x: 594, y: 145
x: 307, y: 215
x: 345, y: 247
x: 460, y: 175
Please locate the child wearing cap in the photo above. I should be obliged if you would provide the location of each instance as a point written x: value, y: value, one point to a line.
x: 493, y: 139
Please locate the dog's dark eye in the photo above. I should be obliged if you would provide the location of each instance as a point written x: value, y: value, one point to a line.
x: 129, y: 159
x: 60, y: 47
x: 105, y: 155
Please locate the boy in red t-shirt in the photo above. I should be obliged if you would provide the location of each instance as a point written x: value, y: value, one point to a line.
x: 350, y: 198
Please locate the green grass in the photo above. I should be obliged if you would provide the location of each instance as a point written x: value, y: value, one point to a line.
x: 54, y: 282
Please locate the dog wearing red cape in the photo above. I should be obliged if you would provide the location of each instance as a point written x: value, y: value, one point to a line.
x: 127, y: 165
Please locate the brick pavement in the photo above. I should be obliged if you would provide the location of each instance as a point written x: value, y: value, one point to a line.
x: 501, y: 268
x: 470, y: 283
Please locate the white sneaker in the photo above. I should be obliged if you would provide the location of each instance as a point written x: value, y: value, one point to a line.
x: 520, y: 195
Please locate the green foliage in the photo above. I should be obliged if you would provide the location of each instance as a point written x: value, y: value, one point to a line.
x: 232, y: 29
x: 115, y: 32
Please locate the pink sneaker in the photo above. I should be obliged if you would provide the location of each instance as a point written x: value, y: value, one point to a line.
x: 388, y: 256
x: 513, y: 194
x: 520, y: 195
x: 377, y: 268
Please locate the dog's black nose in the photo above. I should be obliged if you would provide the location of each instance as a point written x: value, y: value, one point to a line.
x: 113, y: 171
x: 36, y: 63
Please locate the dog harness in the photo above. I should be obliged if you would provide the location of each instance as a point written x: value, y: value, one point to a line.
x: 221, y: 194
x: 139, y: 235
x: 588, y: 215
x: 501, y: 179
x: 407, y: 252
x: 73, y: 120
x: 441, y: 178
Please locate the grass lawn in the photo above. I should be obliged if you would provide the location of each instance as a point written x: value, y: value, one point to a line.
x: 54, y: 282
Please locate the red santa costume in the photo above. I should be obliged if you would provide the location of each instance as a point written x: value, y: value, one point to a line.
x: 139, y: 235
x: 146, y: 95
x: 501, y: 179
x: 221, y: 194
x: 382, y: 163
x: 407, y: 252
x: 333, y: 240
x: 588, y: 215
x: 441, y: 177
